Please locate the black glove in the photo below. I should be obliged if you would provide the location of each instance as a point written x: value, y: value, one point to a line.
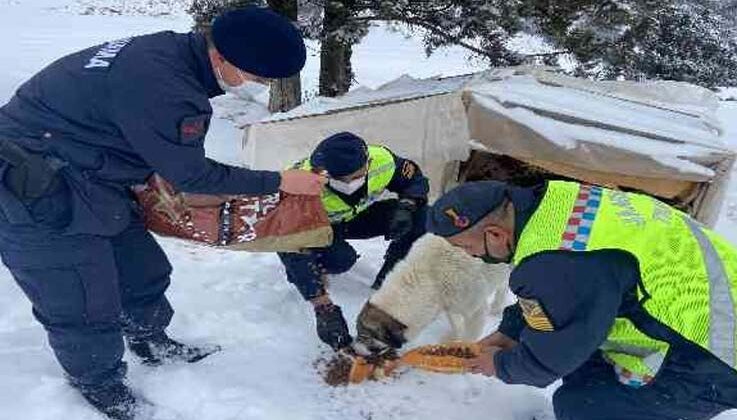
x: 331, y: 326
x: 401, y: 223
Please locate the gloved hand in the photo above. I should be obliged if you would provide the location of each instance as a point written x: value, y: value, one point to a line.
x: 401, y: 223
x: 331, y: 326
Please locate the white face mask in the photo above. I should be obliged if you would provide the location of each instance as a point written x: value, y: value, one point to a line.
x: 248, y: 90
x: 253, y: 91
x: 347, y: 188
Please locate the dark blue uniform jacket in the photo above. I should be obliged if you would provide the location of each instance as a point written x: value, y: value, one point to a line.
x: 581, y: 293
x: 116, y: 113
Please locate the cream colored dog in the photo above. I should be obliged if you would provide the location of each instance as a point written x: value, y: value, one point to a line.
x: 434, y: 279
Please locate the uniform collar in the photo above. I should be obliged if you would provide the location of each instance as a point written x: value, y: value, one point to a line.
x: 205, y: 74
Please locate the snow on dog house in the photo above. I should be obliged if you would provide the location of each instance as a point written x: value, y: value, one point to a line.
x: 523, y: 124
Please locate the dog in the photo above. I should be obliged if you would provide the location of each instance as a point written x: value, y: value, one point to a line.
x: 434, y: 279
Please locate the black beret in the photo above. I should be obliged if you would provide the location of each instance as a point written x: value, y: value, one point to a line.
x: 340, y: 154
x: 259, y: 41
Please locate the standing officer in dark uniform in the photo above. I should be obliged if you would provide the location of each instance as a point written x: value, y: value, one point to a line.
x: 360, y: 176
x: 628, y: 300
x: 76, y: 136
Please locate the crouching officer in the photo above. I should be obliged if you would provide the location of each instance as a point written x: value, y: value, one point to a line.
x: 359, y: 176
x: 628, y: 300
x: 75, y: 137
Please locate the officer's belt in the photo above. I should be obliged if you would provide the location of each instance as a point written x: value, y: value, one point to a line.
x: 30, y: 175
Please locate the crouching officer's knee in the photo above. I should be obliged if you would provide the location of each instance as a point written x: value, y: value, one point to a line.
x: 565, y: 404
x: 339, y: 258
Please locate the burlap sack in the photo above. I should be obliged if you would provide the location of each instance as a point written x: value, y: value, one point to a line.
x: 268, y: 223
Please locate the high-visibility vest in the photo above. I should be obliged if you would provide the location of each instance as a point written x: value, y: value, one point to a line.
x: 380, y: 173
x: 689, y: 273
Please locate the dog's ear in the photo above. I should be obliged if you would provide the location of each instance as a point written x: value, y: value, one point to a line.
x: 378, y: 330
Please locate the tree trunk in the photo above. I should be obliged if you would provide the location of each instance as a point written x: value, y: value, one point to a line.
x: 285, y: 93
x: 336, y: 73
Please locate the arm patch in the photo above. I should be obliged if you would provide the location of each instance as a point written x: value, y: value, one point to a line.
x: 192, y: 130
x: 408, y: 169
x: 535, y: 315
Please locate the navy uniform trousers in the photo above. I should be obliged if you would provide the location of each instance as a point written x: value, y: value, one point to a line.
x: 304, y: 270
x: 691, y: 385
x: 87, y: 290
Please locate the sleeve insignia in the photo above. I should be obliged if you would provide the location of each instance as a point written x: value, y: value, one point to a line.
x: 192, y: 130
x: 408, y: 170
x: 535, y: 315
x: 461, y: 222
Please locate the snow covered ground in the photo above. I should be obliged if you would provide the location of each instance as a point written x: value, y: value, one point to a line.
x: 240, y: 301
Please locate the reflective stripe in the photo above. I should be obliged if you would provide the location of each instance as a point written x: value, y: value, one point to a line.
x: 383, y: 168
x: 722, y: 323
x: 641, y: 352
x: 339, y: 215
x: 654, y: 361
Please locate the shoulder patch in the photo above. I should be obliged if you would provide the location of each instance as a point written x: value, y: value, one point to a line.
x: 408, y: 170
x: 192, y: 130
x: 535, y: 315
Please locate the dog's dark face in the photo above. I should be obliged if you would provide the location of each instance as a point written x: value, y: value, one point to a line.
x: 378, y: 330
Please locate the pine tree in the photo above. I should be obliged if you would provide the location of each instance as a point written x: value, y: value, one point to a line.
x: 204, y: 11
x: 339, y: 32
x: 285, y: 93
x: 481, y: 26
x: 689, y: 40
x: 673, y: 40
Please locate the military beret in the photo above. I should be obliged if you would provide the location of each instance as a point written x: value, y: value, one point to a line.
x: 340, y: 154
x: 259, y: 41
x: 464, y: 206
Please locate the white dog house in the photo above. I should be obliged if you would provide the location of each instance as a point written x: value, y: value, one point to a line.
x: 658, y: 137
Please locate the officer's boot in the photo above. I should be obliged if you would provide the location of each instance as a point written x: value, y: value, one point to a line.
x: 158, y: 348
x: 115, y: 400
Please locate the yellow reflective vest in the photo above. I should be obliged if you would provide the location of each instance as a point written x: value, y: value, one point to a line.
x: 380, y: 173
x: 689, y: 273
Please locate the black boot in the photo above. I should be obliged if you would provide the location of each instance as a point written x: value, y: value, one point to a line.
x: 114, y: 400
x: 157, y: 349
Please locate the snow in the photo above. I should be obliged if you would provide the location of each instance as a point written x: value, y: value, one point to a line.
x: 728, y: 94
x: 238, y: 300
x: 127, y: 7
x: 528, y: 93
x: 727, y: 222
x: 674, y: 155
x: 404, y: 87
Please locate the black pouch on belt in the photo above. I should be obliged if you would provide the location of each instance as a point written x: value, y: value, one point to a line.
x: 30, y: 175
